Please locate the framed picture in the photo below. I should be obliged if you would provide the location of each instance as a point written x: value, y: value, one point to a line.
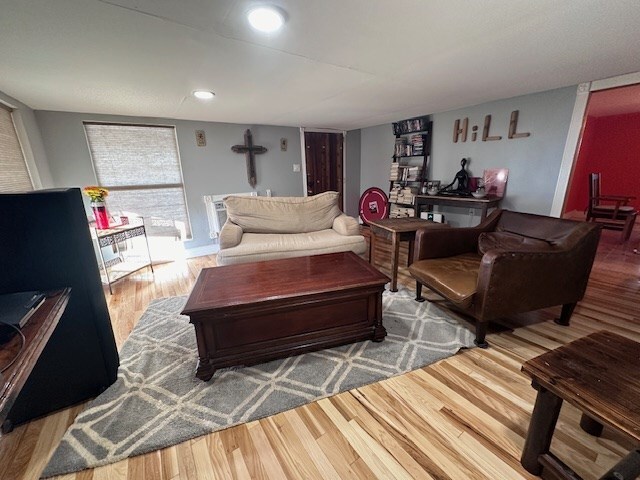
x: 495, y: 181
x: 433, y: 184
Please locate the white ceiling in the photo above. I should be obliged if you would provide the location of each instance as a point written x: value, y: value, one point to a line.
x: 337, y: 63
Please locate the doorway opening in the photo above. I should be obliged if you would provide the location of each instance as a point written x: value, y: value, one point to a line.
x: 609, y: 145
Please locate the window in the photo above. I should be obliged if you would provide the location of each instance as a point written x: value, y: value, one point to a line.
x: 140, y: 166
x: 14, y: 174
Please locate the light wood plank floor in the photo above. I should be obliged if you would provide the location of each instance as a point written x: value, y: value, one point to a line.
x: 464, y: 417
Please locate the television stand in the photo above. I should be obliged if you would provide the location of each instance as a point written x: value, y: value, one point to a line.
x: 37, y: 332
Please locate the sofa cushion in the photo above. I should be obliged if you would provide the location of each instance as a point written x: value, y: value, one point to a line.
x: 283, y: 214
x: 510, y: 241
x: 455, y: 278
x: 256, y: 247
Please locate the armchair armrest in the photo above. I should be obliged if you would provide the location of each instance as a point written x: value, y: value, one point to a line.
x: 230, y: 235
x: 447, y: 242
x: 346, y: 225
x: 525, y: 280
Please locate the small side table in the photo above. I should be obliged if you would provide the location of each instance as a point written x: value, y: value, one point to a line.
x: 122, y: 264
x: 397, y: 230
x: 600, y: 375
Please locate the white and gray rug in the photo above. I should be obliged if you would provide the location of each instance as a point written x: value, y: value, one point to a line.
x: 157, y: 402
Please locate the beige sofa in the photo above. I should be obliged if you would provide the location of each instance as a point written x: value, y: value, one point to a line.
x: 266, y: 228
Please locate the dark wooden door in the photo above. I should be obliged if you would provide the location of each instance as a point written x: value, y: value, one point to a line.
x: 324, y: 162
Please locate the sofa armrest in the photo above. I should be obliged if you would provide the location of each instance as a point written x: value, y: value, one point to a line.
x: 448, y: 242
x: 230, y: 235
x: 525, y: 280
x: 346, y: 225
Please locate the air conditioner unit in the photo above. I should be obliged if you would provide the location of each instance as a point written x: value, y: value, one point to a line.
x: 217, y: 213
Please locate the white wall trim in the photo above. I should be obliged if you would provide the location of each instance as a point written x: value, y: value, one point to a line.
x: 572, y: 144
x: 570, y: 148
x: 201, y: 251
x: 619, y: 81
x: 303, y: 167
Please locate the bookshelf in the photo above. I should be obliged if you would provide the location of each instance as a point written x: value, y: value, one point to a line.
x: 409, y: 165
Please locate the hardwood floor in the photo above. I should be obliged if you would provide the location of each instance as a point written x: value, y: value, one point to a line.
x: 464, y: 417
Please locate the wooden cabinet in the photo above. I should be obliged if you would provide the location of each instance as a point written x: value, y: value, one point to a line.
x: 410, y: 164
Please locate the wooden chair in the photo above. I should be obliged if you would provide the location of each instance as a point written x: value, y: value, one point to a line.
x: 611, y: 211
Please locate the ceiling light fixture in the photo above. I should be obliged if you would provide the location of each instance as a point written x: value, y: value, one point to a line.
x: 204, y: 94
x: 266, y: 19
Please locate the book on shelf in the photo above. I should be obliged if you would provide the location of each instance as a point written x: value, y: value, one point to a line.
x: 400, y: 212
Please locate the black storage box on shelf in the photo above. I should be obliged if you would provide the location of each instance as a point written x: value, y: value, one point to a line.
x: 411, y: 125
x: 46, y: 245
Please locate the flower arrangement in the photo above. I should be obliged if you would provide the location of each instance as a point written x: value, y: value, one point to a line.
x: 96, y: 193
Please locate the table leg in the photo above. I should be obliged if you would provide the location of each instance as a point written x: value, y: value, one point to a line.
x: 410, y: 254
x: 395, y: 253
x: 483, y: 213
x: 591, y: 426
x: 372, y: 245
x: 543, y: 423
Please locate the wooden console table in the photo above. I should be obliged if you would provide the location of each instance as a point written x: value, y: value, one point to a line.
x: 600, y: 375
x: 397, y: 230
x: 483, y: 204
x: 37, y: 332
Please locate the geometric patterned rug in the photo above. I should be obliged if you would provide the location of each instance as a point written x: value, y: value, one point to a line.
x: 157, y: 402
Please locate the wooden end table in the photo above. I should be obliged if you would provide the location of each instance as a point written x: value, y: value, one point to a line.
x: 398, y: 230
x: 600, y: 375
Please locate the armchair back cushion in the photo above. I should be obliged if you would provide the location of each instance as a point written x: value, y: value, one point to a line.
x: 283, y: 214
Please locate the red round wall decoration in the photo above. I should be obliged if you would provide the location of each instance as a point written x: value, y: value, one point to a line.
x: 374, y: 204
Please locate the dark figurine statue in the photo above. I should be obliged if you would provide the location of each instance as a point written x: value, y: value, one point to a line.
x: 462, y: 180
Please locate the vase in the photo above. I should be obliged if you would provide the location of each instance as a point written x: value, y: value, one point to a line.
x: 100, y: 214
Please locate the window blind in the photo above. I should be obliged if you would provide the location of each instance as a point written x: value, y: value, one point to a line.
x: 140, y: 166
x: 14, y: 175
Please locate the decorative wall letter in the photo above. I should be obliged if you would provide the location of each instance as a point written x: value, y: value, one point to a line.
x: 485, y: 131
x: 457, y: 130
x: 513, y: 126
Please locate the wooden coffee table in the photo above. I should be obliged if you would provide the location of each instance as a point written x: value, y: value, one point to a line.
x: 254, y: 312
x: 600, y: 375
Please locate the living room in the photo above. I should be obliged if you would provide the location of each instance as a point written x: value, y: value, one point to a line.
x: 75, y: 64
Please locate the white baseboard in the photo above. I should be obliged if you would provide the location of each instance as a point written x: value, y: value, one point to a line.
x: 201, y: 251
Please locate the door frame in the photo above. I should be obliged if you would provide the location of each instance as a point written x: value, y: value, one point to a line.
x: 303, y: 148
x: 574, y: 135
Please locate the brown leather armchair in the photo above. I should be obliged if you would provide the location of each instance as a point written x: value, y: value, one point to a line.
x: 511, y: 263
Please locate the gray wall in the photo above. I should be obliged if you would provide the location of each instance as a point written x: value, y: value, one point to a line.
x: 213, y: 169
x: 352, y: 173
x: 533, y: 162
x: 30, y: 139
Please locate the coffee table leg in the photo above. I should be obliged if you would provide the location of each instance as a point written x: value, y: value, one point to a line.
x: 395, y: 253
x: 379, y: 332
x: 543, y: 423
x: 205, y: 370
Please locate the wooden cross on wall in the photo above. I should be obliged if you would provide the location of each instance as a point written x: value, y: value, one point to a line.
x: 249, y: 149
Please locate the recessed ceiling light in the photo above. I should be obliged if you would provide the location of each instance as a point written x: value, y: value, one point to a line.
x: 266, y: 19
x: 204, y: 94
